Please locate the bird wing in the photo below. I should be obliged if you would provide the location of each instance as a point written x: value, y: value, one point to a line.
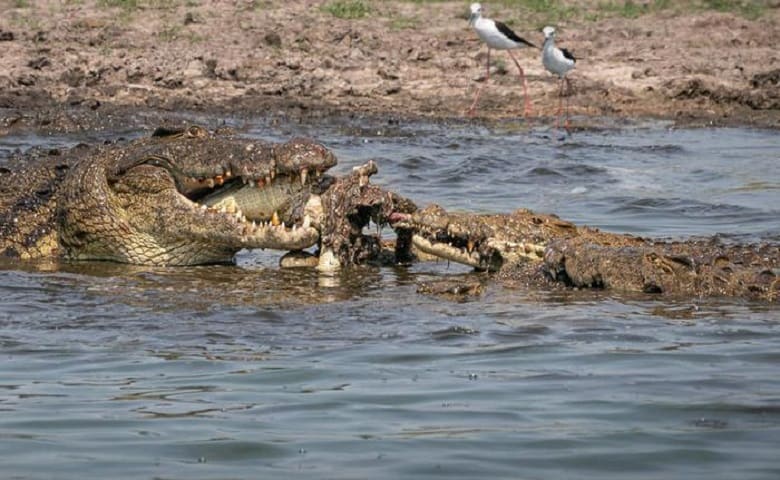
x: 568, y: 55
x: 508, y: 33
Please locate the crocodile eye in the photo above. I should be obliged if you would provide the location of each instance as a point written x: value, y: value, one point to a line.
x: 195, y: 131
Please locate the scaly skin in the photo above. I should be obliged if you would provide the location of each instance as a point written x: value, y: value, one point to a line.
x: 528, y: 248
x: 137, y: 202
x: 694, y: 268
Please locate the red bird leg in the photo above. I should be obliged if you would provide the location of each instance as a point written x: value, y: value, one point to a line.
x: 473, y: 107
x: 527, y: 103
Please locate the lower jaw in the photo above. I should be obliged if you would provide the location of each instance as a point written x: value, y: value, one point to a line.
x: 447, y: 252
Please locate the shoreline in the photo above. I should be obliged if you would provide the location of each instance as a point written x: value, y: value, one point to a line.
x: 88, y: 61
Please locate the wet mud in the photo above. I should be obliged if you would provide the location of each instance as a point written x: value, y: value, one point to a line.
x: 76, y: 65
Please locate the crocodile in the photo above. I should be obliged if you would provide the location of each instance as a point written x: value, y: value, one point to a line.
x: 173, y: 198
x: 533, y: 249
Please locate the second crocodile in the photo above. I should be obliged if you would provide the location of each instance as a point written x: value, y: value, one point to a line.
x: 530, y: 248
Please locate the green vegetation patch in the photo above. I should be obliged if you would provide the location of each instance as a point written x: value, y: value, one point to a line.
x: 544, y: 12
x: 125, y: 4
x: 348, y: 9
x: 132, y: 5
x: 752, y: 9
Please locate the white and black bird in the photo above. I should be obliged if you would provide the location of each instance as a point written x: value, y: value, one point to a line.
x: 557, y: 61
x: 500, y: 37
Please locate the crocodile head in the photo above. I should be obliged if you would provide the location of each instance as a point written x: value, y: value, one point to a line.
x: 171, y: 199
x: 483, y: 241
x: 529, y: 248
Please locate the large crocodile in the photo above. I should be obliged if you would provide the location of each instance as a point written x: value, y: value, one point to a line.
x: 531, y: 248
x: 169, y: 199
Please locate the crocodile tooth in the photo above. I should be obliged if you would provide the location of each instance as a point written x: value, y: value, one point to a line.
x: 252, y: 184
x: 210, y: 183
x: 275, y: 219
x: 204, y: 207
x: 228, y: 174
x: 222, y: 209
x: 306, y: 221
x: 294, y: 227
x: 268, y: 179
x: 304, y: 174
x: 273, y: 173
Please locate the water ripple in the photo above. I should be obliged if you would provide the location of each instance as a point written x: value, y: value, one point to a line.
x: 251, y: 371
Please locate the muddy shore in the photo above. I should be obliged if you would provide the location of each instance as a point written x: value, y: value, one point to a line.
x: 71, y: 65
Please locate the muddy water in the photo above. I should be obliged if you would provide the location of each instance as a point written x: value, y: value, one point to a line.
x: 111, y: 371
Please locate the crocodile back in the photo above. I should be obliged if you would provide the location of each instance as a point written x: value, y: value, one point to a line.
x: 29, y: 186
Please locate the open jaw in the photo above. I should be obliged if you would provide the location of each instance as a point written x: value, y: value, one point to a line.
x: 481, y: 253
x: 432, y: 233
x: 276, y: 211
x: 466, y: 239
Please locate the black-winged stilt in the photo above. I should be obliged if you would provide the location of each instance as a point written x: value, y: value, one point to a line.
x: 558, y: 61
x: 497, y: 35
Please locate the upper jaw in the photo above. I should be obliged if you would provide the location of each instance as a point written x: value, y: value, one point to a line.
x: 265, y: 192
x: 198, y: 187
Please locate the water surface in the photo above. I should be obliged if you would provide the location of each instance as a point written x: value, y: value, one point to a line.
x: 113, y: 371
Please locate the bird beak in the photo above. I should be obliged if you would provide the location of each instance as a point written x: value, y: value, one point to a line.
x: 472, y: 19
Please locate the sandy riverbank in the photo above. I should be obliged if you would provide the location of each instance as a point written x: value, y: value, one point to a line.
x: 402, y: 59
